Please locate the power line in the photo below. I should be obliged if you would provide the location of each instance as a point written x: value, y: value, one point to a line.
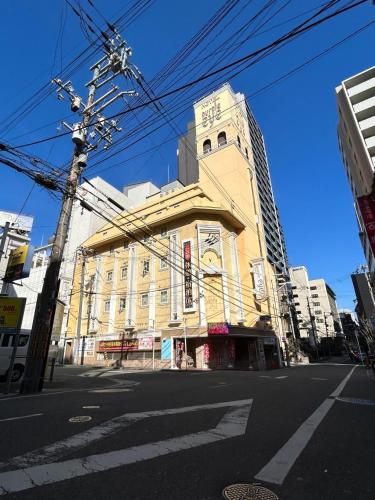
x: 289, y: 36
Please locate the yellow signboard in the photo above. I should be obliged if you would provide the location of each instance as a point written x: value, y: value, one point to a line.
x: 16, y: 267
x: 11, y: 311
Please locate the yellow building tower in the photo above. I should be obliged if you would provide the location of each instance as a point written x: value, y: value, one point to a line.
x: 182, y: 280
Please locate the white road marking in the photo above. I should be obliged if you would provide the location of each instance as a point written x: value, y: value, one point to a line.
x: 282, y: 376
x: 23, y: 416
x: 55, y: 451
x: 233, y: 424
x: 80, y: 419
x: 114, y: 390
x: 357, y: 401
x: 91, y: 407
x: 279, y: 466
x: 342, y: 384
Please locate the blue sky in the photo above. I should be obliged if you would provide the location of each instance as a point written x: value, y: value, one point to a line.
x: 298, y: 117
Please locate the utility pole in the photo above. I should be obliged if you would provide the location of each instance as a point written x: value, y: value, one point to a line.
x: 115, y: 62
x: 312, y: 322
x: 89, y: 302
x: 4, y: 238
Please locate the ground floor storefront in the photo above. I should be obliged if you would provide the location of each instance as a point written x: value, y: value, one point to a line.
x: 221, y: 352
x: 178, y: 348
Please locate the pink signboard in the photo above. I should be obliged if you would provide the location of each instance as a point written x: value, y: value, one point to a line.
x: 217, y: 328
x: 367, y: 208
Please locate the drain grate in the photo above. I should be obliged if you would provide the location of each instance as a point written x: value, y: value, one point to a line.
x: 243, y: 491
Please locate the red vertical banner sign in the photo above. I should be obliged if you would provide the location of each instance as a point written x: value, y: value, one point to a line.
x: 367, y: 208
x: 188, y: 282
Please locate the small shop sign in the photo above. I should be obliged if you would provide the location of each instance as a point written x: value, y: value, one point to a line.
x: 217, y: 328
x: 118, y: 345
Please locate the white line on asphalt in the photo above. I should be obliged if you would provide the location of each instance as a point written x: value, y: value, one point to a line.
x: 19, y: 418
x: 342, y: 384
x: 55, y: 451
x: 279, y: 466
x: 16, y: 397
x: 233, y: 424
x: 283, y: 376
x: 264, y: 376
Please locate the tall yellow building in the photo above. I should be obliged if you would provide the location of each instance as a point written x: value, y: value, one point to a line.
x: 186, y: 271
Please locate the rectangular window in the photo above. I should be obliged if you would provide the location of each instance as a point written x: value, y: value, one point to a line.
x: 316, y: 304
x: 318, y: 312
x: 124, y: 272
x: 144, y: 300
x: 296, y: 303
x: 163, y: 263
x: 109, y: 275
x: 107, y: 306
x: 298, y: 312
x: 122, y: 304
x: 319, y: 320
x: 314, y: 295
x: 145, y: 267
x: 313, y: 288
x: 164, y: 297
x: 295, y: 296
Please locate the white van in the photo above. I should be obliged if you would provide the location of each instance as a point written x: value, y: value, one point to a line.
x: 6, y: 348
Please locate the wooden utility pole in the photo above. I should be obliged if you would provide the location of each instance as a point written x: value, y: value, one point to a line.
x: 115, y: 62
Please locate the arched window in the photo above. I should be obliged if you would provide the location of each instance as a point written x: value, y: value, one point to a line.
x: 238, y: 141
x: 206, y: 146
x: 222, y: 139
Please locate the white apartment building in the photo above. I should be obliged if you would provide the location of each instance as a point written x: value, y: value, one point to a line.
x: 315, y: 305
x: 356, y: 136
x: 83, y: 224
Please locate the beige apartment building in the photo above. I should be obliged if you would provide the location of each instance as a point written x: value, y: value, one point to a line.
x: 183, y: 279
x: 356, y: 136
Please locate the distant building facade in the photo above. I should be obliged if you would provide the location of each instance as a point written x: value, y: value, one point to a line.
x: 315, y: 306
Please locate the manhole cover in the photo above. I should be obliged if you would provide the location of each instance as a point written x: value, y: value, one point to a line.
x: 248, y: 492
x: 112, y: 390
x: 80, y: 419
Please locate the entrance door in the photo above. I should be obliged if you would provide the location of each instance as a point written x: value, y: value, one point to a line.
x: 68, y: 353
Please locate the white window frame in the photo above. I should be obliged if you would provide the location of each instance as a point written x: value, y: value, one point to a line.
x: 148, y: 300
x: 122, y: 272
x: 163, y: 263
x: 144, y: 271
x: 109, y: 280
x: 166, y: 295
x: 107, y: 306
x: 122, y: 304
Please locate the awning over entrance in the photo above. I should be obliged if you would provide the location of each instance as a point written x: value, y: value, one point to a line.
x: 246, y: 331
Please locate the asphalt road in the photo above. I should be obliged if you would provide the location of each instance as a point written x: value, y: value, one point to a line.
x: 304, y: 433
